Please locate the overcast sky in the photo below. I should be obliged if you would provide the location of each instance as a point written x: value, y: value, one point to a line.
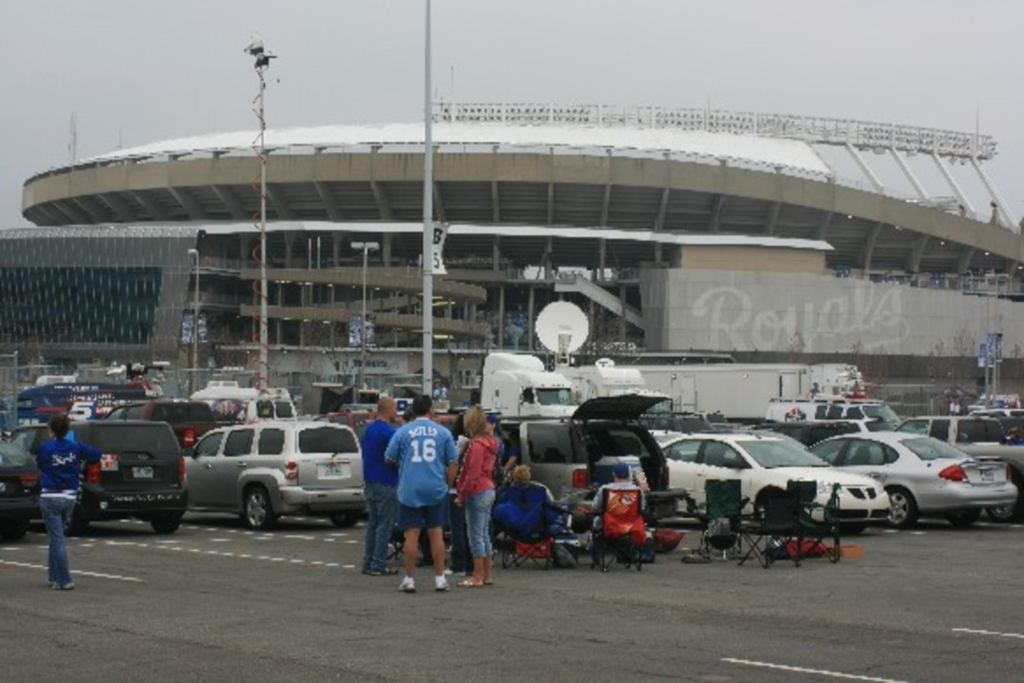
x: 137, y: 72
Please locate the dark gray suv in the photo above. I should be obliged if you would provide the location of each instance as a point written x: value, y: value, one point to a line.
x: 141, y: 474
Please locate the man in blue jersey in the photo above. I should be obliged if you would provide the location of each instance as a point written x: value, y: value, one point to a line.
x: 381, y: 478
x: 427, y: 464
x: 60, y: 462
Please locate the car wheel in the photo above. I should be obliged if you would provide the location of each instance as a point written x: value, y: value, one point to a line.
x: 166, y: 524
x: 903, y: 513
x: 963, y: 518
x: 259, y: 513
x: 345, y: 520
x: 1005, y: 514
x: 14, y: 530
x: 1009, y: 513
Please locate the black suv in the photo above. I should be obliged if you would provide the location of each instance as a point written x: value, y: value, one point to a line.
x: 140, y: 474
x: 573, y: 457
x: 19, y: 490
x: 810, y: 433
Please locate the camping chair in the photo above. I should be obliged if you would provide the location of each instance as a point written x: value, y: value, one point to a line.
x: 820, y: 523
x: 396, y: 548
x: 778, y: 521
x: 621, y: 535
x: 720, y: 519
x: 529, y: 522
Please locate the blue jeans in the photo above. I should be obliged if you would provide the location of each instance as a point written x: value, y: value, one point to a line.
x: 382, y: 506
x: 57, y: 517
x: 460, y: 542
x: 478, y: 519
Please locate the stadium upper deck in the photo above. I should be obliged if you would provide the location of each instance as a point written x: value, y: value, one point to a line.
x: 643, y: 169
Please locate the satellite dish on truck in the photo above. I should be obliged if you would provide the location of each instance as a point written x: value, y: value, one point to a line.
x: 562, y: 328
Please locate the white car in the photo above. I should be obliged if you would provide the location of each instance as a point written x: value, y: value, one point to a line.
x: 764, y: 463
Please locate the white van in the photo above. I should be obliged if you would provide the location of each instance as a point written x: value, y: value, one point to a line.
x: 834, y: 408
x: 232, y: 403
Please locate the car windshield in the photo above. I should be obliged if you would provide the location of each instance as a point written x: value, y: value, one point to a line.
x: 928, y: 448
x: 881, y: 412
x: 553, y: 397
x: 781, y: 453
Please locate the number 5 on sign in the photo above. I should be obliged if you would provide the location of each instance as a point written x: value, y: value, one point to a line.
x: 437, y: 251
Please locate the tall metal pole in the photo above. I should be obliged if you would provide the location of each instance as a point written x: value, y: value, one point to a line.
x: 194, y: 381
x: 362, y: 333
x: 428, y: 219
x: 12, y: 410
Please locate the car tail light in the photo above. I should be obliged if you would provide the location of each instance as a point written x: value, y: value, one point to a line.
x: 181, y: 469
x: 189, y: 439
x: 92, y: 473
x: 954, y: 473
x: 580, y: 480
x: 292, y: 470
x: 29, y: 479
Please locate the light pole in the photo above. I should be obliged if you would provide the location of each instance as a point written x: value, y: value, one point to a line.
x: 194, y: 253
x: 367, y: 247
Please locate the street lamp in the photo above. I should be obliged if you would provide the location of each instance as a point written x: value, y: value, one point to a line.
x: 367, y: 247
x: 194, y: 253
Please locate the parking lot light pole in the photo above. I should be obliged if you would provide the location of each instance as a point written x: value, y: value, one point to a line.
x: 367, y: 247
x: 194, y: 379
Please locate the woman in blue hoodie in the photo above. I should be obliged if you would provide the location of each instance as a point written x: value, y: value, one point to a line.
x: 60, y: 462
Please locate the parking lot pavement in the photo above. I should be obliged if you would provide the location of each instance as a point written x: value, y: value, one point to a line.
x: 218, y: 602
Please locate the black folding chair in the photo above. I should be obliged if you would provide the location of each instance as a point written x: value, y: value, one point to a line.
x: 778, y: 522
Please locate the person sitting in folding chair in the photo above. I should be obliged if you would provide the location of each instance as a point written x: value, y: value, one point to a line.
x: 528, y: 520
x: 619, y: 530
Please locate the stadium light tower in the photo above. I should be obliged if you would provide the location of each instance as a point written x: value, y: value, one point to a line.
x: 255, y: 49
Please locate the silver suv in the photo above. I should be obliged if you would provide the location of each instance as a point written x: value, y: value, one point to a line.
x: 276, y: 467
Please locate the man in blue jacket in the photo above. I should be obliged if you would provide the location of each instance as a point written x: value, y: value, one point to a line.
x: 381, y: 480
x: 60, y: 462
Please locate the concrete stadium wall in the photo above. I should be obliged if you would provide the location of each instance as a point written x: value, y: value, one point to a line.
x: 743, y: 311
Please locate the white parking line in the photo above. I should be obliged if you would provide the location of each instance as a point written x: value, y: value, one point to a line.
x: 979, y: 632
x: 112, y: 577
x: 802, y: 670
x: 300, y: 538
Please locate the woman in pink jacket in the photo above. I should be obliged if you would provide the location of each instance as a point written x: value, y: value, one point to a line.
x: 475, y: 487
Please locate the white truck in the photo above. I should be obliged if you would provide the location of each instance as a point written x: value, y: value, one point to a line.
x: 519, y: 386
x: 741, y: 391
x: 604, y: 378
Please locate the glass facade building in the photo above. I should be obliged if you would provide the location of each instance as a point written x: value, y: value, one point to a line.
x: 80, y: 293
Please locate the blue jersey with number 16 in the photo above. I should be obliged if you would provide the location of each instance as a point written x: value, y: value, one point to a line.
x: 423, y: 450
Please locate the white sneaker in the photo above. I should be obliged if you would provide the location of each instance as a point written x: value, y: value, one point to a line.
x: 408, y: 585
x: 440, y: 584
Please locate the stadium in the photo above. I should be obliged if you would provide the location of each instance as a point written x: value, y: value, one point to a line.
x: 763, y: 236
